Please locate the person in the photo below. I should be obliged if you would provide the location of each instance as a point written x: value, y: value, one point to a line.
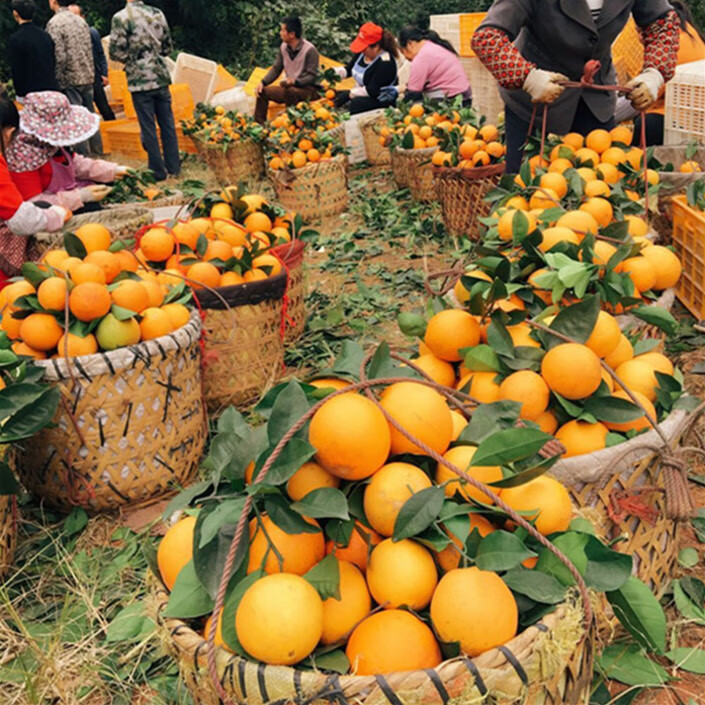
x: 298, y: 59
x: 40, y: 164
x: 100, y: 78
x: 554, y: 40
x: 436, y: 72
x: 374, y: 68
x: 30, y: 53
x: 18, y: 218
x: 75, y: 71
x: 140, y: 38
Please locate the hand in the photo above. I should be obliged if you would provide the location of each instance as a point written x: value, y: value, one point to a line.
x: 543, y: 86
x: 92, y: 194
x: 121, y: 171
x: 259, y: 89
x: 341, y: 71
x: 105, y: 80
x: 341, y: 98
x: 645, y: 89
x: 285, y: 82
x: 64, y: 213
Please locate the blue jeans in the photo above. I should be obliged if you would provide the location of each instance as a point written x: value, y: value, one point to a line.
x: 148, y: 106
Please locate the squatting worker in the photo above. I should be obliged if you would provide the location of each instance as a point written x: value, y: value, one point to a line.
x: 554, y: 40
x: 298, y: 59
x: 436, y: 72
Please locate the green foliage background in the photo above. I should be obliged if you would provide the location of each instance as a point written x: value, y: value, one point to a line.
x: 242, y: 34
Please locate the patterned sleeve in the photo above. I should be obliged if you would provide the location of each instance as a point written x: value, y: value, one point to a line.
x: 500, y: 57
x: 661, y: 41
x: 118, y: 41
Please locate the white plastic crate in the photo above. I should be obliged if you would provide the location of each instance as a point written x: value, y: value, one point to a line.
x: 685, y: 105
x: 485, y: 90
x: 199, y: 73
x: 448, y: 26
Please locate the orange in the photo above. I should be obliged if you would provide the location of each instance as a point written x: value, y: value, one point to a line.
x: 310, y: 476
x: 52, y: 294
x: 667, y: 265
x: 203, y: 275
x: 547, y: 422
x: 449, y: 558
x: 329, y: 382
x: 218, y: 249
x: 476, y: 608
x: 641, y: 271
x: 157, y: 244
x: 356, y: 551
x: 175, y: 550
x: 572, y: 370
x: 390, y: 487
x: 658, y: 361
x: 544, y: 198
x: 23, y: 350
x: 391, y: 641
x: 14, y: 291
x: 635, y: 157
x: 154, y: 291
x: 351, y: 437
x: 506, y: 224
x: 461, y: 457
x: 341, y: 615
x: 529, y: 389
x: 55, y: 258
x: 401, y: 573
x: 128, y: 262
x: 608, y: 173
x: 560, y: 165
x: 639, y: 424
x: 621, y: 134
x: 258, y: 221
x: 107, y: 261
x: 600, y: 209
x: 94, y: 236
x: 233, y: 234
x: 450, y: 330
x: 85, y: 272
x: 574, y: 139
x: 421, y: 412
x: 273, y: 265
x: 279, y: 619
x: 587, y: 157
x: 299, y: 552
x: 556, y: 182
x: 77, y: 346
x: 552, y: 236
x: 546, y: 495
x: 438, y: 370
x: 605, y: 335
x: 90, y: 301
x: 603, y: 252
x: 614, y: 156
x: 155, y: 323
x: 580, y: 221
x: 581, y: 437
x: 186, y: 234
x: 483, y: 386
x: 489, y: 133
x: 559, y: 149
x: 638, y: 227
x: 231, y: 279
x: 40, y: 331
x: 178, y: 314
x: 459, y: 423
x: 594, y: 189
x: 690, y: 167
x: 639, y: 376
x: 518, y: 203
x: 622, y: 352
x: 132, y: 295
x: 587, y: 174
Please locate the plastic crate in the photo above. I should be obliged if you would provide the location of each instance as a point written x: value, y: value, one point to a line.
x: 200, y: 75
x: 628, y: 53
x: 689, y: 239
x: 448, y: 27
x: 224, y: 80
x: 685, y: 105
x: 485, y: 90
x: 124, y: 139
x: 468, y: 24
x: 182, y: 103
x: 105, y: 132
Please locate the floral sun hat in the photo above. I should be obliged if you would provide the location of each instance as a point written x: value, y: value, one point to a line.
x: 50, y: 117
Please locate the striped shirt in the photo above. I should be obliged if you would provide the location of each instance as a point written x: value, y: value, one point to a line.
x: 595, y: 8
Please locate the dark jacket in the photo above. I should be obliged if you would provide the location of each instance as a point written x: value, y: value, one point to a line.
x: 379, y: 75
x: 99, y: 60
x: 30, y: 53
x: 560, y: 35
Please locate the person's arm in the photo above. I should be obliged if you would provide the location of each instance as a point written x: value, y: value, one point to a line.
x: 381, y: 75
x: 500, y: 57
x: 22, y: 217
x: 418, y: 75
x: 61, y: 56
x: 118, y: 40
x: 101, y: 63
x: 30, y: 187
x: 15, y: 57
x: 167, y: 45
x: 274, y: 73
x: 309, y: 73
x: 98, y: 170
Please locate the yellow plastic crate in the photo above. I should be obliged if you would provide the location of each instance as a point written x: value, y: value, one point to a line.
x: 689, y: 239
x: 469, y: 22
x: 628, y: 53
x: 124, y: 139
x: 224, y: 80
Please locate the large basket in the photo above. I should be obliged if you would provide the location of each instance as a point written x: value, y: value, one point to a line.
x: 462, y: 193
x: 130, y: 427
x: 622, y: 491
x: 123, y: 223
x: 243, y: 354
x: 235, y: 163
x: 417, y: 171
x: 292, y: 255
x: 399, y: 172
x: 550, y: 662
x: 377, y: 154
x: 316, y: 191
x: 8, y: 532
x: 338, y: 133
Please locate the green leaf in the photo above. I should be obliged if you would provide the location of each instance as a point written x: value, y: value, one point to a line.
x: 689, y: 595
x: 31, y: 418
x: 498, y: 337
x: 489, y: 418
x: 640, y: 613
x: 412, y: 324
x: 122, y: 314
x: 606, y: 569
x: 501, y: 550
x: 612, y: 409
x: 33, y: 274
x: 521, y: 478
x: 628, y: 664
x: 656, y: 316
x: 8, y: 483
x: 538, y: 586
x: 295, y: 453
x: 481, y: 358
x: 573, y: 546
x: 130, y: 624
x: 325, y: 577
x: 226, y: 513
x: 289, y: 521
x: 691, y: 660
x: 509, y: 446
x: 74, y: 245
x: 185, y: 497
x: 75, y: 522
x: 289, y: 407
x: 335, y: 661
x: 688, y: 557
x: 323, y: 503
x: 188, y: 597
x: 418, y: 512
x: 575, y: 322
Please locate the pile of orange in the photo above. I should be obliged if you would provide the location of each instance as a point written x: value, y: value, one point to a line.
x: 80, y: 305
x: 216, y: 125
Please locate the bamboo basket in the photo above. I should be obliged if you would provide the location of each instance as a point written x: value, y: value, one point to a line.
x: 292, y: 255
x: 338, y: 133
x: 417, y: 170
x: 550, y: 662
x: 130, y: 428
x: 461, y: 193
x: 401, y: 178
x: 377, y: 155
x: 622, y: 491
x: 316, y: 191
x: 123, y: 222
x: 234, y: 163
x: 8, y: 532
x: 243, y: 354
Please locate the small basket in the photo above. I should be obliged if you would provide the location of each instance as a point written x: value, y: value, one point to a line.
x: 243, y: 353
x: 377, y: 155
x: 462, y: 193
x: 292, y: 255
x: 399, y: 172
x: 8, y: 532
x: 130, y: 427
x: 316, y: 191
x: 234, y: 163
x: 689, y: 239
x: 417, y: 170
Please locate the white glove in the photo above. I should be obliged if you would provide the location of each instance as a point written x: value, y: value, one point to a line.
x: 341, y: 71
x: 543, y: 86
x: 122, y: 171
x: 91, y: 194
x: 645, y: 88
x: 64, y: 213
x: 358, y: 92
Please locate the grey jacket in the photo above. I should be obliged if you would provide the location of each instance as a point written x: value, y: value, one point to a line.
x: 560, y: 35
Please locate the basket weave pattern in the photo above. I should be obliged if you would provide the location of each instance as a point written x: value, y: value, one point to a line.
x: 8, y: 532
x: 292, y: 254
x: 315, y: 191
x: 377, y: 155
x: 417, y: 171
x: 241, y: 161
x: 140, y: 412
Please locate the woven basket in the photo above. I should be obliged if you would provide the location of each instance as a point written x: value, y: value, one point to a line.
x: 461, y: 193
x: 8, y: 532
x: 377, y: 155
x: 234, y: 163
x: 243, y: 354
x: 316, y: 191
x: 140, y: 414
x: 292, y: 255
x: 550, y: 662
x: 399, y: 173
x: 417, y: 170
x: 602, y: 483
x: 123, y: 222
x: 338, y: 133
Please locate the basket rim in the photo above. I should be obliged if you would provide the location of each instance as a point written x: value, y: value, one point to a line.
x: 119, y: 212
x: 481, y: 172
x: 337, y: 160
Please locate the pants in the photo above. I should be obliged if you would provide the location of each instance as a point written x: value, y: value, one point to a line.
x: 517, y: 131
x: 654, y: 129
x: 101, y: 100
x: 363, y: 104
x: 83, y: 95
x: 148, y: 106
x: 288, y: 95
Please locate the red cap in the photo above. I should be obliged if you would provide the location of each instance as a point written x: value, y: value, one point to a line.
x: 369, y: 34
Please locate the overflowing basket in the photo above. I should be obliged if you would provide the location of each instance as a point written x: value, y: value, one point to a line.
x: 233, y: 163
x: 377, y: 154
x: 412, y: 168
